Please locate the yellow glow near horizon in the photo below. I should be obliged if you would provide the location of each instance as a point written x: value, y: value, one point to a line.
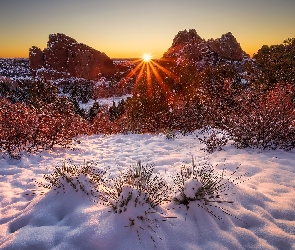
x: 120, y: 34
x: 146, y: 57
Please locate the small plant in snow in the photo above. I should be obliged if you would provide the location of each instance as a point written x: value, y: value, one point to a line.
x: 83, y: 178
x: 206, y: 187
x: 170, y: 134
x: 138, y: 214
x: 138, y: 182
x: 136, y: 195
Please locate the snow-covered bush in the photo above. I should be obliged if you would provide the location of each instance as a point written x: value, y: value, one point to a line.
x: 275, y: 64
x: 137, y: 184
x: 145, y: 114
x: 93, y: 111
x: 170, y: 134
x: 186, y: 114
x: 102, y: 123
x: 82, y: 178
x: 78, y: 89
x: 203, y: 186
x: 58, y: 124
x: 4, y: 87
x: 135, y: 195
x: 117, y: 111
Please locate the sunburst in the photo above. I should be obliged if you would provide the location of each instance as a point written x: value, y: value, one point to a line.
x: 149, y: 67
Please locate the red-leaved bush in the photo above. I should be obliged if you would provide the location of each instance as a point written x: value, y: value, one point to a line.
x: 17, y: 123
x: 103, y: 124
x: 263, y: 119
x: 23, y: 128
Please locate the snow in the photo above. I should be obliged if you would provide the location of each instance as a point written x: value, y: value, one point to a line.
x: 262, y: 215
x: 191, y: 187
x: 104, y: 101
x: 17, y: 69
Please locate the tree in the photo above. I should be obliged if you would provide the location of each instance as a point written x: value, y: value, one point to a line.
x: 93, y: 111
x: 275, y: 64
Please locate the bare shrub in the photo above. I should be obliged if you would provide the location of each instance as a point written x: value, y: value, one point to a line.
x: 102, y: 123
x: 16, y: 127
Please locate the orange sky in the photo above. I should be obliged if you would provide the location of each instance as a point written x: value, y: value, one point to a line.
x: 129, y: 28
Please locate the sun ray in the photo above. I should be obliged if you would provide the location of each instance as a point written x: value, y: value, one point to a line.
x: 156, y: 74
x: 166, y: 71
x: 149, y: 80
x: 159, y: 79
x: 165, y: 59
x: 149, y: 67
x: 132, y: 73
x: 139, y: 76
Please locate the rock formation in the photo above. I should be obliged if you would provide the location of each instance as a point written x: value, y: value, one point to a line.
x: 65, y: 57
x: 227, y: 47
x: 188, y: 45
x: 36, y: 58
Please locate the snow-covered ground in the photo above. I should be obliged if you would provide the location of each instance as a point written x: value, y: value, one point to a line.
x: 17, y: 69
x: 265, y: 201
x: 104, y: 101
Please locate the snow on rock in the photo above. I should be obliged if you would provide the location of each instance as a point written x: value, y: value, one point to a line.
x: 263, y: 205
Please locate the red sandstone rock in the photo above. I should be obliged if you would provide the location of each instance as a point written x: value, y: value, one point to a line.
x: 64, y: 56
x: 190, y: 45
x: 227, y: 47
x: 36, y: 58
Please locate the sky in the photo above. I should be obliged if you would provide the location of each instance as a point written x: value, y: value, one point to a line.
x: 129, y: 28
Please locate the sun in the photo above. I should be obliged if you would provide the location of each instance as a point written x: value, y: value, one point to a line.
x: 146, y: 57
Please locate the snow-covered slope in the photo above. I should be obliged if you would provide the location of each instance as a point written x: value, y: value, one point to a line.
x: 265, y: 202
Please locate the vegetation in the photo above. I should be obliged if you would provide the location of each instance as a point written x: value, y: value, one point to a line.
x: 253, y: 106
x: 36, y: 128
x: 203, y: 186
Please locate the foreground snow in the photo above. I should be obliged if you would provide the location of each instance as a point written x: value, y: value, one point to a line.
x: 71, y: 221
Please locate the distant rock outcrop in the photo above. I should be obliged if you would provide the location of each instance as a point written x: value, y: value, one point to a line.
x: 189, y: 45
x: 36, y: 58
x: 65, y: 57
